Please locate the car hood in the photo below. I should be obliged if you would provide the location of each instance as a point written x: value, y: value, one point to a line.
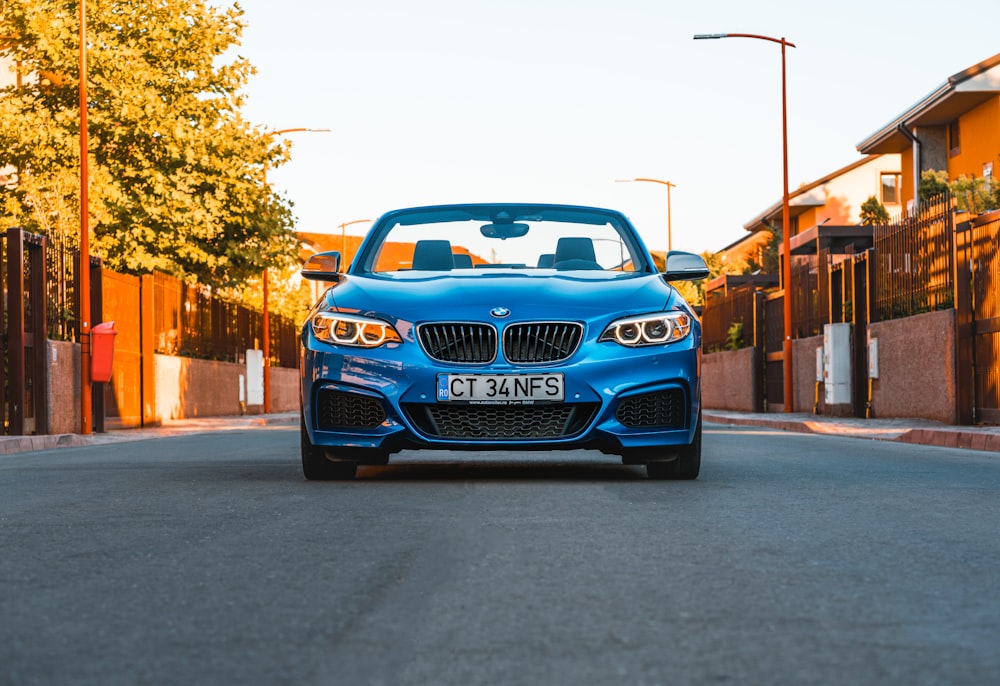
x: 473, y: 297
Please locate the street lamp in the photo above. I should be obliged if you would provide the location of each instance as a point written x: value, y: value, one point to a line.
x: 343, y: 237
x: 669, y: 185
x: 266, y: 318
x: 83, y: 277
x: 785, y: 214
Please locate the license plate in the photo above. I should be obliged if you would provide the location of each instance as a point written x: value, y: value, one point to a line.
x: 500, y: 389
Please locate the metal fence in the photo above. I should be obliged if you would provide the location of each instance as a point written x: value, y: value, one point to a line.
x: 188, y: 320
x: 913, y: 273
x: 727, y: 320
x: 909, y: 270
x: 808, y: 301
x: 61, y: 266
x: 915, y: 261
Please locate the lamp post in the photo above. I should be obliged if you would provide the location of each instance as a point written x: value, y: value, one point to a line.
x: 786, y: 263
x: 83, y: 277
x: 343, y: 237
x: 669, y: 185
x: 265, y: 317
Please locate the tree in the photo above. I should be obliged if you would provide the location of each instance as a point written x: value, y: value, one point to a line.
x: 873, y: 212
x: 932, y: 183
x: 975, y: 194
x: 176, y: 172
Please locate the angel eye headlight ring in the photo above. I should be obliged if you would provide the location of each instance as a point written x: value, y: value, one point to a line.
x: 353, y: 330
x: 653, y: 329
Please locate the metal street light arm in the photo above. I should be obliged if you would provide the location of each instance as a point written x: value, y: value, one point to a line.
x: 713, y: 36
x: 295, y: 130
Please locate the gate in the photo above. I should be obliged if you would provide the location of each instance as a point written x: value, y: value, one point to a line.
x: 977, y: 319
x: 862, y: 309
x: 774, y: 354
x: 23, y: 409
x: 123, y: 397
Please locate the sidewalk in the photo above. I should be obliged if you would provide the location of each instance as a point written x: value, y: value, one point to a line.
x: 179, y: 427
x: 918, y: 431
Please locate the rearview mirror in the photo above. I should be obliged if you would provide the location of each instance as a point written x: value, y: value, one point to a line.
x: 323, y: 266
x: 685, y: 266
x: 504, y: 231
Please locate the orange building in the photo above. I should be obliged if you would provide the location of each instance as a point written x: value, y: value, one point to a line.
x: 955, y: 129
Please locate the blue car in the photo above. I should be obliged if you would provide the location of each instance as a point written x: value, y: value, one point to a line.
x: 501, y: 327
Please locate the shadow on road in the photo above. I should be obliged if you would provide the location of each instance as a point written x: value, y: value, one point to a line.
x: 485, y: 470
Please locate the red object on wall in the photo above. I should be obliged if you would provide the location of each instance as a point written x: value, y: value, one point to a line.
x: 102, y: 351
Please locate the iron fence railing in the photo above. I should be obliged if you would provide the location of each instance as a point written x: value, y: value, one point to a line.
x: 188, y: 320
x: 727, y: 320
x: 914, y: 270
x: 61, y: 265
x: 913, y: 273
x: 807, y: 303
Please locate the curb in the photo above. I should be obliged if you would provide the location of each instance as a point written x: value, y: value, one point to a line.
x: 958, y: 438
x: 983, y: 439
x: 26, y: 444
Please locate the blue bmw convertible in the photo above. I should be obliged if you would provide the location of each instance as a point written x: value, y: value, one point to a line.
x: 501, y: 327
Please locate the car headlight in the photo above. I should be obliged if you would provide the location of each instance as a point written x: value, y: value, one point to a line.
x: 352, y: 330
x: 649, y: 329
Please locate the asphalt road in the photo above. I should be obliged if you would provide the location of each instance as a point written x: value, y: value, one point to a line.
x: 794, y: 559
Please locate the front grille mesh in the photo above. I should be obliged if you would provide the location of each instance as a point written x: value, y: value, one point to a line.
x: 528, y: 343
x: 459, y: 342
x: 502, y: 422
x: 338, y: 410
x: 663, y: 409
x: 541, y: 341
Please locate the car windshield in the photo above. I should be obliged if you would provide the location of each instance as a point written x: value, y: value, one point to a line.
x: 478, y: 239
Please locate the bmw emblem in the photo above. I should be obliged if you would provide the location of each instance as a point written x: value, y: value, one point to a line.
x: 500, y: 312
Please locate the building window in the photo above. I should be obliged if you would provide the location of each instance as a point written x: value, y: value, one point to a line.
x: 891, y: 185
x: 954, y: 140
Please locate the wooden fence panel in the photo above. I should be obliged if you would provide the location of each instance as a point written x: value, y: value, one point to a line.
x: 985, y: 273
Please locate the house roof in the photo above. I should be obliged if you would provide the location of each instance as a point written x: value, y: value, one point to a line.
x: 837, y: 239
x: 802, y: 198
x: 728, y: 282
x: 960, y: 93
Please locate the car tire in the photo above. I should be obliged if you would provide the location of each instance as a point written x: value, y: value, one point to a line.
x: 687, y: 464
x: 316, y: 466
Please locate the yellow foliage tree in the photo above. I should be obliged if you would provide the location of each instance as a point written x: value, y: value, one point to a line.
x: 176, y: 180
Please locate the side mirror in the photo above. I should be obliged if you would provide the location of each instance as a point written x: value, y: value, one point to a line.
x: 685, y: 266
x: 323, y: 266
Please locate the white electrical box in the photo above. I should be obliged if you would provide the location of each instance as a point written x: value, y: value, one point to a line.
x: 872, y: 358
x: 255, y: 377
x: 837, y: 364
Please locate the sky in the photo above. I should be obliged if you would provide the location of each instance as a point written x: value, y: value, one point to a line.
x: 442, y: 101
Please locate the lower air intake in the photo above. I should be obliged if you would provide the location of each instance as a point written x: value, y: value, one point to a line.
x: 662, y: 410
x: 502, y: 422
x: 336, y: 410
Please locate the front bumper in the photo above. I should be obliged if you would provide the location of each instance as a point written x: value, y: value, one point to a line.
x: 616, y: 400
